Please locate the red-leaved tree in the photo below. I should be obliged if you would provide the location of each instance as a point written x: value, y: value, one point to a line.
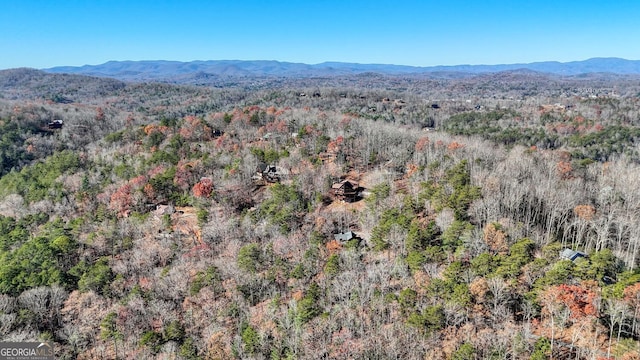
x: 203, y: 188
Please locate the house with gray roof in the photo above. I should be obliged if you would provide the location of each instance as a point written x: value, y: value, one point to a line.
x: 568, y: 254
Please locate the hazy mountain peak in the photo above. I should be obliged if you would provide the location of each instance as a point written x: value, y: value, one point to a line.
x: 171, y: 70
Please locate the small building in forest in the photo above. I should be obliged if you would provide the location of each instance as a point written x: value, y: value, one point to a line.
x: 573, y: 255
x: 55, y: 124
x: 344, y: 237
x: 266, y: 174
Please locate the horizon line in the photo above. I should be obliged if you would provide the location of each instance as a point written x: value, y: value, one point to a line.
x: 335, y: 62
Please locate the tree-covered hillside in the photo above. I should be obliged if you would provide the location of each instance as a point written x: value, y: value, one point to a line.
x: 322, y: 221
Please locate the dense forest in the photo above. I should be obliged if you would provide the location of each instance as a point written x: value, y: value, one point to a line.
x: 364, y: 217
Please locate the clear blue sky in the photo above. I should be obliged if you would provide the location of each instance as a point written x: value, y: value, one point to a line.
x: 49, y: 33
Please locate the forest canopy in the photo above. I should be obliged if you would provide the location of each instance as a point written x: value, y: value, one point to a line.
x: 322, y: 218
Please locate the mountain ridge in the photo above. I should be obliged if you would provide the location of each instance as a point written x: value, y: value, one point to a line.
x: 171, y: 70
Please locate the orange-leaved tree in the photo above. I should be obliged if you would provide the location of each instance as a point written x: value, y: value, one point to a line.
x: 203, y: 188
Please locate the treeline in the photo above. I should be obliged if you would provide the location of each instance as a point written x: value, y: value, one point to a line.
x: 588, y: 140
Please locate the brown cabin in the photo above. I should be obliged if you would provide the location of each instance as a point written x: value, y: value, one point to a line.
x: 346, y: 190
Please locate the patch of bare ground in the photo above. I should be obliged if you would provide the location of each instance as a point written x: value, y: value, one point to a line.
x: 372, y: 178
x: 185, y: 221
x: 343, y: 206
x: 184, y: 228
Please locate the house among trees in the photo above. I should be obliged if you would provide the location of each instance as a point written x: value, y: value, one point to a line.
x: 217, y: 133
x: 164, y: 209
x: 568, y: 254
x: 55, y: 124
x: 266, y: 174
x: 344, y: 237
x: 346, y: 190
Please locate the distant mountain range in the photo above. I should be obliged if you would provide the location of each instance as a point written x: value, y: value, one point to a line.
x: 188, y: 71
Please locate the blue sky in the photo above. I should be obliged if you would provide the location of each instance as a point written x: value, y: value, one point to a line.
x: 49, y: 33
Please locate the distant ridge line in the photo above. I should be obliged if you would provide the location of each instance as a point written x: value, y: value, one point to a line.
x: 174, y: 70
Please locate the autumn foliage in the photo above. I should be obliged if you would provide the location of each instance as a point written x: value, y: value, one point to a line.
x: 167, y: 247
x: 581, y: 300
x: 496, y: 238
x: 585, y: 212
x: 334, y: 146
x: 564, y: 169
x: 203, y: 188
x: 422, y: 144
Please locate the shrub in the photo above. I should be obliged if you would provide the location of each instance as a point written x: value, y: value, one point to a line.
x: 188, y: 350
x: 415, y: 260
x: 250, y: 338
x: 541, y: 349
x: 173, y: 332
x: 419, y: 237
x: 210, y: 277
x: 483, y: 264
x: 378, y: 193
x: 298, y: 272
x: 308, y: 307
x: 466, y: 351
x: 249, y: 258
x: 96, y: 277
x: 333, y: 265
x: 153, y: 340
x: 285, y: 207
x: 108, y: 328
x: 407, y: 299
x: 203, y: 216
x: 388, y: 219
x: 452, y: 237
x: 434, y: 317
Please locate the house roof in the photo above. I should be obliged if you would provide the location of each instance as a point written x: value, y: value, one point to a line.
x: 344, y: 236
x: 342, y: 183
x: 162, y: 209
x: 571, y: 254
x: 262, y: 167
